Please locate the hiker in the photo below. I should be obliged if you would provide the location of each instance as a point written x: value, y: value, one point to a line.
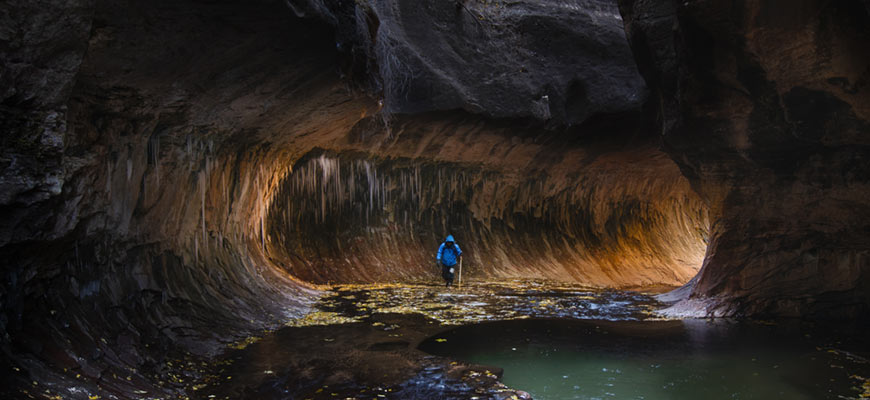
x: 448, y: 255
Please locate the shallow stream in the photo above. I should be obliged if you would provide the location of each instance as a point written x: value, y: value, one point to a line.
x: 487, y: 341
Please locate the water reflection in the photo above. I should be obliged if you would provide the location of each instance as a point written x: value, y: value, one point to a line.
x: 554, y: 341
x: 565, y: 359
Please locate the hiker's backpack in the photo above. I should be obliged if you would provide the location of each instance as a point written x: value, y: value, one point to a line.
x: 449, y: 254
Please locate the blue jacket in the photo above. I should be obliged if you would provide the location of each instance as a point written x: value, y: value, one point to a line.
x: 448, y: 255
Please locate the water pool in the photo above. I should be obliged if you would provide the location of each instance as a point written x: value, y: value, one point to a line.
x: 576, y: 359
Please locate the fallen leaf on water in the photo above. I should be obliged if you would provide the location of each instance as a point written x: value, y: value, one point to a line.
x: 244, y: 343
x: 321, y: 318
x: 440, y: 340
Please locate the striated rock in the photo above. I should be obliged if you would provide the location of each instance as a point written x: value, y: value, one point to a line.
x: 765, y: 107
x: 175, y: 174
x: 176, y: 135
x: 543, y: 208
x: 557, y: 61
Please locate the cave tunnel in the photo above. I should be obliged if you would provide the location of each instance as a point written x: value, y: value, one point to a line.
x: 244, y: 199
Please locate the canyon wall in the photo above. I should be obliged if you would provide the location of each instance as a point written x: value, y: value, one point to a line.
x: 178, y: 174
x: 167, y: 177
x: 764, y: 105
x: 532, y: 207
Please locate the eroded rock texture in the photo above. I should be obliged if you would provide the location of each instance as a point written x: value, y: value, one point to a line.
x: 532, y: 206
x: 41, y: 46
x: 176, y: 174
x: 119, y: 264
x: 558, y: 61
x: 765, y: 105
x: 151, y: 151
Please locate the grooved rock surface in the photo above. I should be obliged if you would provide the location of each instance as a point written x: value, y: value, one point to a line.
x: 178, y: 125
x: 765, y: 105
x: 531, y: 206
x: 554, y: 60
x: 175, y: 174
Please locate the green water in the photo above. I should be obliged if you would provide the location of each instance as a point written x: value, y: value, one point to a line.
x: 558, y: 359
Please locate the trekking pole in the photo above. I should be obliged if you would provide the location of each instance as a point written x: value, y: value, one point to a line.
x: 460, y: 272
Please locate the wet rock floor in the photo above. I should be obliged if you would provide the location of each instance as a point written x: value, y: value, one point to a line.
x: 361, y: 342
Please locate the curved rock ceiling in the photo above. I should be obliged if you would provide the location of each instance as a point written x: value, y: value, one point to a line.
x: 177, y: 173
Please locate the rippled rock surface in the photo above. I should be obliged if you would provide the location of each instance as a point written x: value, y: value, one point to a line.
x: 351, y: 217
